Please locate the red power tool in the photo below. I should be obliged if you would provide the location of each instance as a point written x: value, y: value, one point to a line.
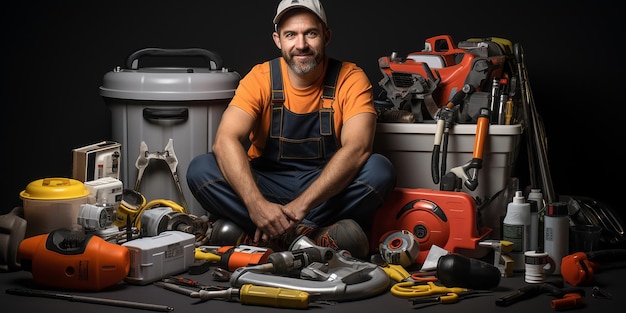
x: 446, y: 219
x: 425, y: 80
x: 68, y: 259
x: 233, y: 257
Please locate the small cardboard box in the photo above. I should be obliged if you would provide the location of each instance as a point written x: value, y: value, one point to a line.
x: 96, y: 161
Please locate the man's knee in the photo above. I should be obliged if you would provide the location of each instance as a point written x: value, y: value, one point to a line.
x: 201, y: 169
x: 380, y: 171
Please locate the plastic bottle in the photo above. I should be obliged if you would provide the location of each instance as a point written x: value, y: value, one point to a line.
x: 516, y: 229
x: 536, y: 217
x: 534, y: 227
x: 536, y: 194
x: 556, y: 233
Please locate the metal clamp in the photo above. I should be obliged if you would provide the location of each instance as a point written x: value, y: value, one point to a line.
x: 168, y: 155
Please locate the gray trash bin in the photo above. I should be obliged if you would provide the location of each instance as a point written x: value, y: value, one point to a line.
x: 170, y: 109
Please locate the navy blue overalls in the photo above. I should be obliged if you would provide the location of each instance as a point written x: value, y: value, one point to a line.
x: 299, y: 141
x: 297, y: 147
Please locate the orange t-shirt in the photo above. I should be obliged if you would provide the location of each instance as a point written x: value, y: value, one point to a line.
x: 253, y: 95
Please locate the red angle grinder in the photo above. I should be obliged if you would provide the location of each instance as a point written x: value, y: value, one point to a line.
x: 446, y: 219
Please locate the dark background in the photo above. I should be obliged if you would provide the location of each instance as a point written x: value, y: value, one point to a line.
x: 55, y: 54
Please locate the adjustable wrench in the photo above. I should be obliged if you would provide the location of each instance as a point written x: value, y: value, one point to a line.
x: 469, y: 171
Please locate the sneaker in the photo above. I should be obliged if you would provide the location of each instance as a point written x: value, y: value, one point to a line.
x: 344, y: 235
x: 283, y: 242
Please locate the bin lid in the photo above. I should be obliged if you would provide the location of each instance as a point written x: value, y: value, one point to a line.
x: 169, y: 83
x: 165, y: 83
x: 54, y: 188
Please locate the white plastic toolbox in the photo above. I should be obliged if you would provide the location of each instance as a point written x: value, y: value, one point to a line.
x: 409, y: 146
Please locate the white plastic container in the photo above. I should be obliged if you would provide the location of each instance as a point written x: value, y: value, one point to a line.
x: 410, y: 145
x: 52, y: 203
x: 556, y: 233
x: 157, y: 257
x: 516, y: 229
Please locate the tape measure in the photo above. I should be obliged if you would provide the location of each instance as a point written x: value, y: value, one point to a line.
x: 399, y: 247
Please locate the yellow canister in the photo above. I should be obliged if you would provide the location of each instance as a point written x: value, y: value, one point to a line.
x: 52, y: 203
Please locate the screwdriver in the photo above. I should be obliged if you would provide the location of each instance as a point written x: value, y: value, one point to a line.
x: 250, y: 294
x: 204, y: 254
x: 191, y: 283
x: 260, y: 295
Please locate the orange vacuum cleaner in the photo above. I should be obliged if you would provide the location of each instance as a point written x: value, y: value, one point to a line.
x: 70, y: 259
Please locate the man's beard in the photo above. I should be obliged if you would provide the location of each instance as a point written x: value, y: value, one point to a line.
x: 302, y: 68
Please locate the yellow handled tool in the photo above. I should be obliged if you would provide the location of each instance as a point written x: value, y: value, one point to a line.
x: 208, y: 256
x: 396, y: 272
x: 274, y: 297
x: 249, y: 294
x: 259, y: 295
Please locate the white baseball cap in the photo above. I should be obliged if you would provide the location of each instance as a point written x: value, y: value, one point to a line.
x: 312, y: 5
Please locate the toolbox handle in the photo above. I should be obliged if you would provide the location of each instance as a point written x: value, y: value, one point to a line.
x: 132, y: 62
x: 166, y: 114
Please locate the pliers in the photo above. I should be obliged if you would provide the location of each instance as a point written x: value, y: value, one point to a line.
x: 168, y: 155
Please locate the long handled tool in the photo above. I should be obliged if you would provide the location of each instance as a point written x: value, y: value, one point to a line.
x: 250, y: 295
x: 446, y: 118
x: 85, y: 299
x: 469, y: 171
x: 535, y: 131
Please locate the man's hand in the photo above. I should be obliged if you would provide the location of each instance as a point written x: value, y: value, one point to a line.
x: 271, y: 219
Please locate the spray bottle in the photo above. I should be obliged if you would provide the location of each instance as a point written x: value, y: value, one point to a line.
x: 516, y: 229
x: 556, y: 233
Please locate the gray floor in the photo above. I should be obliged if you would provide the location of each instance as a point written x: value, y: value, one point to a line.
x: 384, y: 302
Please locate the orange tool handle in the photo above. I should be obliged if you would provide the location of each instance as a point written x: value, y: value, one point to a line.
x: 482, y: 128
x: 569, y: 301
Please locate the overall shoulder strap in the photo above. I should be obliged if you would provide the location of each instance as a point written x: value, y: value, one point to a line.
x: 330, y: 81
x: 277, y: 81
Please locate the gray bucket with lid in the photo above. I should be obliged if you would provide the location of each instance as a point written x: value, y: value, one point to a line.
x: 154, y: 104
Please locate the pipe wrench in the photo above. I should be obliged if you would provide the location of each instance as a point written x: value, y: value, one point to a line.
x: 168, y: 156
